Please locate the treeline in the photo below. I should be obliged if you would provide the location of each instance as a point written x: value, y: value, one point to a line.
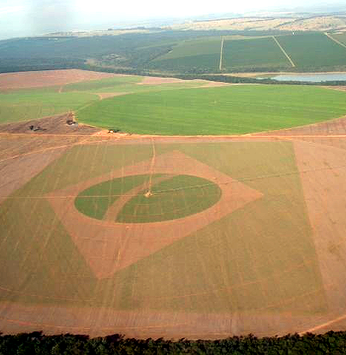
x: 37, y: 343
x: 18, y: 65
x: 12, y: 65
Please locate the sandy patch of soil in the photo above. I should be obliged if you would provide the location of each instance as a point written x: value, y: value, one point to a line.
x: 321, y: 23
x: 215, y: 84
x: 253, y: 23
x: 37, y: 79
x: 337, y: 88
x: 152, y: 80
x: 107, y: 95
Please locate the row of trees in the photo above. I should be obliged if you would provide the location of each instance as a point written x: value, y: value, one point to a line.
x: 37, y: 343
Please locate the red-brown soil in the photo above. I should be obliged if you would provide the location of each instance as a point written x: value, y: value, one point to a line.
x: 332, y: 127
x: 37, y: 79
x: 49, y: 125
x: 323, y: 176
x: 15, y: 174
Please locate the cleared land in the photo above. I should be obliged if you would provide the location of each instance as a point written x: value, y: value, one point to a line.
x: 48, y: 78
x: 259, y: 53
x: 223, y: 110
x: 314, y: 51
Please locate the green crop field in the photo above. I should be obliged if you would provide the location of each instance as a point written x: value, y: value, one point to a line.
x: 341, y: 37
x: 314, y: 51
x: 225, y: 110
x: 169, y: 200
x: 253, y: 53
x: 25, y: 105
x: 104, y: 84
x: 189, y: 55
x: 258, y: 258
x: 195, y: 47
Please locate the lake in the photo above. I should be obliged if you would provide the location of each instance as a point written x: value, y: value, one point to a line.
x: 313, y: 78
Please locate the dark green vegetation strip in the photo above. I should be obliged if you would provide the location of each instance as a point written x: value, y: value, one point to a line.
x: 227, y: 110
x: 314, y: 51
x: 177, y: 197
x: 259, y: 258
x: 36, y: 343
x: 197, y: 63
x: 259, y: 53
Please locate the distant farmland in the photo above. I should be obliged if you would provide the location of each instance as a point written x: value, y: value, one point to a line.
x: 307, y: 51
x: 253, y: 53
x: 203, y: 54
x: 314, y: 51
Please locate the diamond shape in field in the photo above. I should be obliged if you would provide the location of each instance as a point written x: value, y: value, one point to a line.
x: 109, y: 246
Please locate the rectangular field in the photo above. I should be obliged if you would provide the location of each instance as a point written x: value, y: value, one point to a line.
x: 260, y: 257
x: 314, y: 51
x: 201, y: 54
x: 341, y: 37
x: 253, y: 53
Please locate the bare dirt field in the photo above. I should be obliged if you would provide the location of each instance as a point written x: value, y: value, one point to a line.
x: 46, y: 171
x: 37, y: 79
x: 106, y: 95
x: 318, y: 23
x: 151, y: 80
x: 49, y: 125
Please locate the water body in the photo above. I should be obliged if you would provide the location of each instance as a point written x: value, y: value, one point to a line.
x: 313, y: 78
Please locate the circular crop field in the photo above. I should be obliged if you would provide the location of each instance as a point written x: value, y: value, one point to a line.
x: 216, y: 111
x: 145, y: 198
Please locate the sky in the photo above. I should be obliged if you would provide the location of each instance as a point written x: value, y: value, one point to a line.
x: 35, y: 17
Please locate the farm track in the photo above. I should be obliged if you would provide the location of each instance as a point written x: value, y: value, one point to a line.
x: 284, y: 52
x: 335, y: 40
x: 221, y: 53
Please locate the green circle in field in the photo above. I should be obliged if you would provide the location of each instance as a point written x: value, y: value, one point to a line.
x: 145, y: 198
